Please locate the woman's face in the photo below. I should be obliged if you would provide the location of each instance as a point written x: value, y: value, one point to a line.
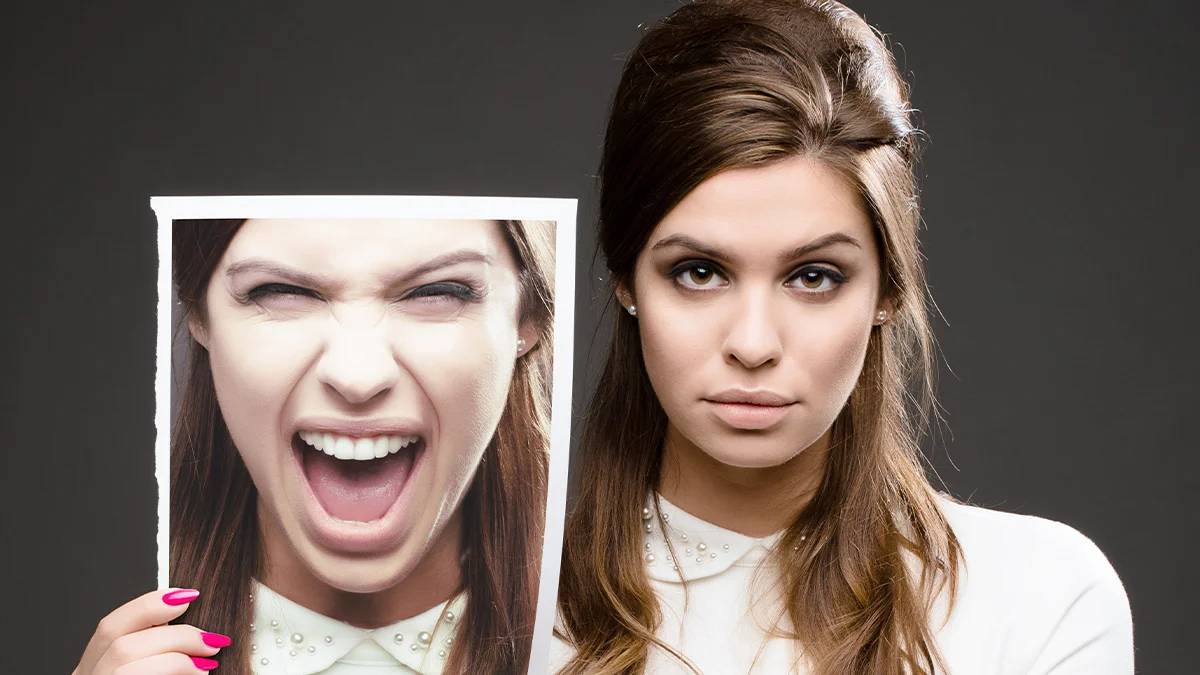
x: 361, y: 367
x: 755, y: 299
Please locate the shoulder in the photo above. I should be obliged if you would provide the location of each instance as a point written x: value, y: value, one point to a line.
x: 1043, y: 585
x: 1028, y: 549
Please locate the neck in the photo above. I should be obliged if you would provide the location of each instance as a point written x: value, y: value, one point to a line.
x: 754, y: 501
x: 436, y: 578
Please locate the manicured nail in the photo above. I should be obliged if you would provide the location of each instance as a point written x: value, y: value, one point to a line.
x: 204, y: 664
x: 180, y: 597
x: 215, y: 639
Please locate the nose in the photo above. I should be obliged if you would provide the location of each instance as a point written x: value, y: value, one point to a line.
x: 754, y: 339
x: 358, y: 363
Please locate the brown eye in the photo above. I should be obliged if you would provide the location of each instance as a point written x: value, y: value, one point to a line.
x: 817, y: 280
x: 812, y: 279
x: 697, y: 276
x: 700, y: 276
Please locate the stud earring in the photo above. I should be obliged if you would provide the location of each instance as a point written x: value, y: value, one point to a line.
x: 632, y: 309
x: 520, y: 345
x: 881, y: 316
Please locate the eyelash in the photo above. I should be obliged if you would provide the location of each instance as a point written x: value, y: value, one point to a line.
x: 461, y: 292
x: 265, y: 290
x: 676, y: 274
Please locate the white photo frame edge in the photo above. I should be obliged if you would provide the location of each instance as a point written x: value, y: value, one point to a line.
x: 562, y: 211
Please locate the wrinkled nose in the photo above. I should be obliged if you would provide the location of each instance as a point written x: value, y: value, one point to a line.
x: 358, y: 363
x: 754, y: 339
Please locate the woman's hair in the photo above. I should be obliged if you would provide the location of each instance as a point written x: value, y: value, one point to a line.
x: 726, y: 84
x: 215, y: 543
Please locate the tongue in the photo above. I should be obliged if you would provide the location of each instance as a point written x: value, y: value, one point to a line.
x: 357, y: 490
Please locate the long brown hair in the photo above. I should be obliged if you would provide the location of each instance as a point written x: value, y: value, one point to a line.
x: 215, y: 544
x: 726, y: 84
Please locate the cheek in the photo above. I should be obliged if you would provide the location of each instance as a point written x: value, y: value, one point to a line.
x: 835, y: 348
x: 256, y: 366
x: 465, y: 370
x: 676, y: 341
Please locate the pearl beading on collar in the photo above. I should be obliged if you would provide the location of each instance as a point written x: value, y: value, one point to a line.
x: 278, y: 645
x: 695, y: 549
x: 686, y: 547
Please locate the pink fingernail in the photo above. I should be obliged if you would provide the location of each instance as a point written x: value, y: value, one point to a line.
x: 204, y: 664
x: 215, y: 639
x: 180, y: 597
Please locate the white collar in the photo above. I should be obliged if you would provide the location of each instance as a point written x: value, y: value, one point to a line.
x: 289, y: 639
x: 701, y: 549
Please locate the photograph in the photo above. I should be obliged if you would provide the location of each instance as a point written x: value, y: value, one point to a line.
x: 360, y: 439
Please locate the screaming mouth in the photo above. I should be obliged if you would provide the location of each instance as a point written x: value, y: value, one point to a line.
x: 356, y: 480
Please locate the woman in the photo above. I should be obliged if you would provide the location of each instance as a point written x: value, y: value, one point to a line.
x: 751, y: 496
x: 359, y: 453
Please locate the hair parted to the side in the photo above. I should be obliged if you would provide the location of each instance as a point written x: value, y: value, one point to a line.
x: 725, y: 84
x: 215, y: 544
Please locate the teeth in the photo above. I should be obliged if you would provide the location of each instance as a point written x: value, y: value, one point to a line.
x: 364, y: 449
x: 361, y: 449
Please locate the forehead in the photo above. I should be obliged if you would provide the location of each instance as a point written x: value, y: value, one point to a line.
x: 359, y: 243
x: 770, y: 208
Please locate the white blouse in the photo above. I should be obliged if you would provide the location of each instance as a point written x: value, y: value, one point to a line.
x: 289, y: 639
x: 1036, y: 598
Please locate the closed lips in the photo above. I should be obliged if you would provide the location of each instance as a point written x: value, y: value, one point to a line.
x: 759, y: 398
x: 361, y: 449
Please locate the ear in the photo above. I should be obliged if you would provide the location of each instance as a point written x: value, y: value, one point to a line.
x: 528, y: 336
x: 196, y: 328
x: 624, y: 297
x: 888, y: 311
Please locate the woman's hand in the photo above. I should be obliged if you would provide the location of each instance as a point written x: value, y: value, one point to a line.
x: 136, y: 640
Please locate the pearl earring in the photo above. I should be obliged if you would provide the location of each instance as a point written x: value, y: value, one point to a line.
x: 520, y: 345
x: 632, y: 309
x: 881, y: 316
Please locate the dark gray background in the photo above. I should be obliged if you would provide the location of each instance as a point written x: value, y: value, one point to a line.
x: 1058, y: 191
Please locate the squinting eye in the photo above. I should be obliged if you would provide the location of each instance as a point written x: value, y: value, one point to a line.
x: 444, y: 291
x: 267, y: 290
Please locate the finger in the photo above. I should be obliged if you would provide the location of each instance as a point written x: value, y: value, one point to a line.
x: 152, y: 609
x: 143, y: 644
x: 167, y: 664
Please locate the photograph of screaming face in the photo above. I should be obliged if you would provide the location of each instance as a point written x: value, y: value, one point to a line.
x: 360, y: 439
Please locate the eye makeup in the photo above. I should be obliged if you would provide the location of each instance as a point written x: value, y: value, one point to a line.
x: 275, y: 289
x: 456, y: 292
x: 433, y: 296
x: 821, y: 274
x: 702, y: 276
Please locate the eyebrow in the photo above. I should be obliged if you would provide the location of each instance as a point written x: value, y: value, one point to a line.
x: 300, y: 278
x: 696, y: 245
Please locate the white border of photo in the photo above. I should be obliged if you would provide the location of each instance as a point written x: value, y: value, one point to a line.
x: 561, y: 211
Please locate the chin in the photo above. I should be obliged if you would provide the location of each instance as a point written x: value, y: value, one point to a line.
x: 754, y: 450
x: 359, y: 576
x: 752, y: 457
